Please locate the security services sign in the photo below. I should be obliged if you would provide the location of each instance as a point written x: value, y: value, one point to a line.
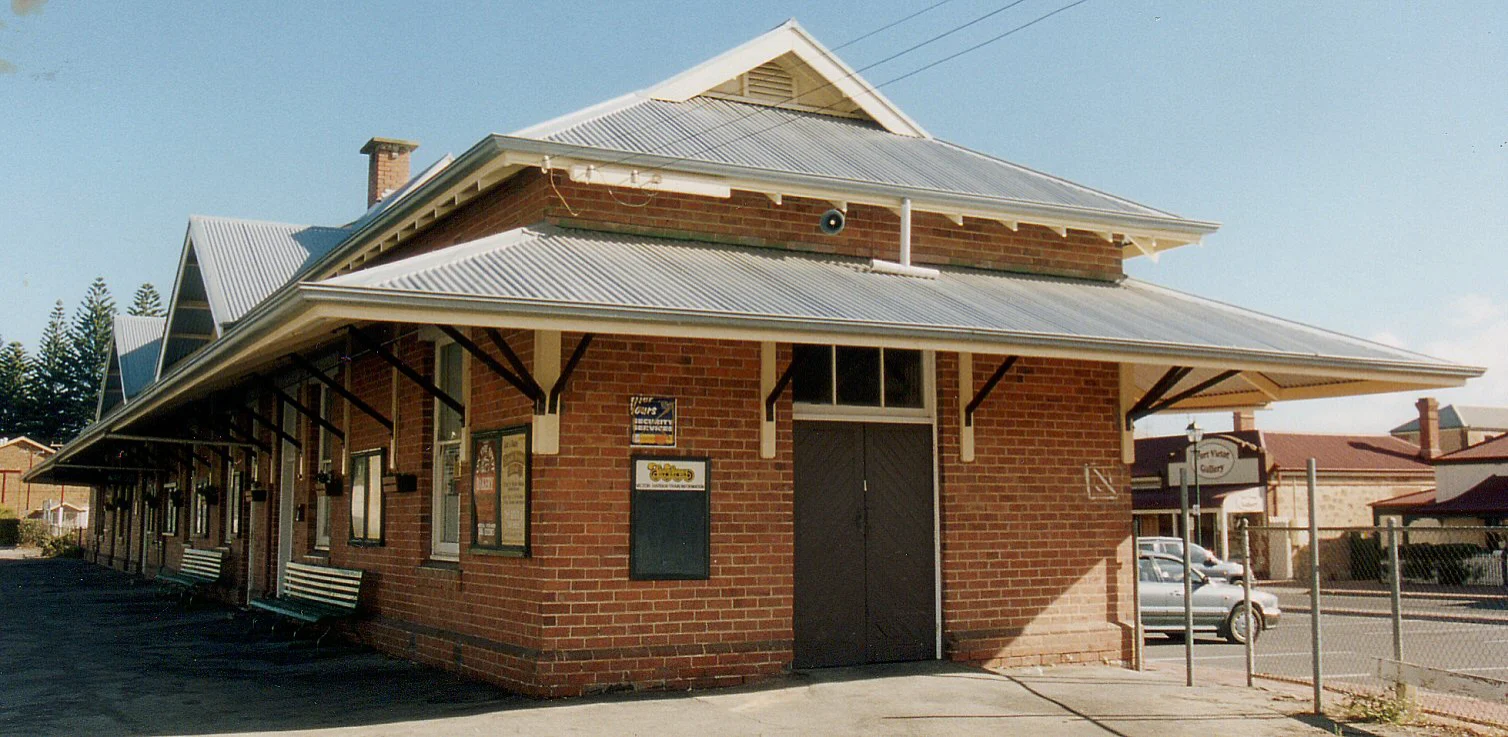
x: 652, y: 422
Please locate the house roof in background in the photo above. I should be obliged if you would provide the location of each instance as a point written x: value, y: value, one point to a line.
x: 6, y: 443
x: 1495, y: 449
x: 138, y: 340
x: 1409, y: 500
x: 245, y: 261
x: 1488, y: 497
x: 1475, y: 417
x: 1291, y: 451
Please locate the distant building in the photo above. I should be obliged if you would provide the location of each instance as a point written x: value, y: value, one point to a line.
x: 1460, y: 426
x: 19, y: 455
x: 1470, y: 489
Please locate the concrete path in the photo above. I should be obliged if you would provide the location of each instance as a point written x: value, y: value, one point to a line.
x: 83, y: 651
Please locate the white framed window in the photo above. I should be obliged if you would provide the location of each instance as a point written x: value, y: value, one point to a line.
x: 150, y: 491
x: 171, y: 497
x: 326, y: 468
x: 366, y: 497
x: 862, y: 382
x: 446, y: 493
x: 200, y: 515
x: 235, y: 491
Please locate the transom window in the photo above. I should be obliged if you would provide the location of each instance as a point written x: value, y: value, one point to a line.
x: 848, y: 376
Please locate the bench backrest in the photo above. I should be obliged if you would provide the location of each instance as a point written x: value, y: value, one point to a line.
x: 203, y: 563
x: 335, y: 587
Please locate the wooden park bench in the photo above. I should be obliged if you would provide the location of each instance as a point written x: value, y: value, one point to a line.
x: 314, y: 595
x: 198, y: 569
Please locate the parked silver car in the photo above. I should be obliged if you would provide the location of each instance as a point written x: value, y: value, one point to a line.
x: 1217, y: 604
x: 1203, y: 560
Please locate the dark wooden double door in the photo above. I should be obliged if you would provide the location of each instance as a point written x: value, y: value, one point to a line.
x: 864, y: 564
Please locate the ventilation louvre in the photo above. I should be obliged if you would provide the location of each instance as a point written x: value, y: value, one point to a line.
x: 770, y: 82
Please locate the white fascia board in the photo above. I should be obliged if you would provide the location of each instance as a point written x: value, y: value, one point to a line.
x: 788, y: 37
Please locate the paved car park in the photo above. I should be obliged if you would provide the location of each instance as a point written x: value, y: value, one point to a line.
x: 86, y: 651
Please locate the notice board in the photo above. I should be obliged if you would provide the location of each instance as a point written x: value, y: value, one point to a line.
x: 670, y: 518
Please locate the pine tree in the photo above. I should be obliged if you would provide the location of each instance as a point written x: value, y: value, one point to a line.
x: 91, y: 336
x: 147, y: 302
x: 52, y: 381
x: 15, y: 403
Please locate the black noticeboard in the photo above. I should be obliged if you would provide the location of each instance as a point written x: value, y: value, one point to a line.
x: 670, y: 518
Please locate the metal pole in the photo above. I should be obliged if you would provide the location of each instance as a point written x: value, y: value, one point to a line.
x: 1137, y: 631
x: 1314, y: 589
x: 1395, y: 584
x: 1188, y: 582
x: 1251, y: 634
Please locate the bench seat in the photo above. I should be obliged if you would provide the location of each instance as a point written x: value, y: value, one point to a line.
x: 315, y: 595
x: 199, y: 568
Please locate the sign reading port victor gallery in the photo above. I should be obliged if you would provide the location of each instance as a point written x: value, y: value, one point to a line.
x: 652, y: 422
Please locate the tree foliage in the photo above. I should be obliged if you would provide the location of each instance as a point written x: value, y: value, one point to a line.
x: 15, y: 386
x: 147, y: 302
x: 51, y: 395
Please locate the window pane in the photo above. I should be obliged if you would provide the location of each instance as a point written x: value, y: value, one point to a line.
x: 448, y: 378
x: 326, y: 440
x: 450, y: 495
x: 358, y: 497
x: 903, y: 378
x: 859, y: 376
x: 812, y: 381
x: 374, y: 498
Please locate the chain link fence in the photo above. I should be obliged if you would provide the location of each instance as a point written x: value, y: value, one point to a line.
x: 1414, y: 616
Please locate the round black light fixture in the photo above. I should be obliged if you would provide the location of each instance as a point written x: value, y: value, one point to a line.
x: 832, y: 222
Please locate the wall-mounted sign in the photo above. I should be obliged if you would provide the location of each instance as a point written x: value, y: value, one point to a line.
x: 670, y: 518
x: 1220, y: 461
x: 500, y: 490
x: 652, y: 422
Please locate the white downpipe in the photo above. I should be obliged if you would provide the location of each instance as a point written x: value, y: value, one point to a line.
x: 905, y: 231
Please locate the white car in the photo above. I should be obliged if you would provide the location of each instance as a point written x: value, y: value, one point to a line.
x: 1218, y: 605
x: 1203, y: 560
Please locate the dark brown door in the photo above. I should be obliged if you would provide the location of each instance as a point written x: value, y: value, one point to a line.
x: 864, y: 543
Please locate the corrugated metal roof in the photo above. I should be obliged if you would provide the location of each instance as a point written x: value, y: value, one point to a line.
x: 564, y: 269
x: 1463, y: 416
x: 137, y: 343
x: 1495, y: 449
x: 742, y: 134
x: 398, y: 194
x: 244, y: 261
x: 1292, y: 450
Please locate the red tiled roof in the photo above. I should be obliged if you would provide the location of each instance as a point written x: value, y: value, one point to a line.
x: 1489, y: 450
x: 1488, y: 497
x: 1289, y: 450
x: 1411, y: 499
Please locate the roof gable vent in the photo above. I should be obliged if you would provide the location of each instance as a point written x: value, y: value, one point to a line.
x: 769, y: 82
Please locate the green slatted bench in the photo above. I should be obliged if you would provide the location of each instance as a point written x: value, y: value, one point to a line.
x: 199, y: 568
x: 315, y: 595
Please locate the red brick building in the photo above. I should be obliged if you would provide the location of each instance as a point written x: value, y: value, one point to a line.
x: 739, y: 373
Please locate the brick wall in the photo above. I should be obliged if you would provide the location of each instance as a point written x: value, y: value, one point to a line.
x: 1034, y: 572
x: 22, y: 498
x: 752, y: 219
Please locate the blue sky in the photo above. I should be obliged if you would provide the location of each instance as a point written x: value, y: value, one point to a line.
x: 1356, y: 152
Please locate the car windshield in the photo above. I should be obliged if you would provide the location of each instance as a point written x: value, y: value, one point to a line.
x: 1200, y: 555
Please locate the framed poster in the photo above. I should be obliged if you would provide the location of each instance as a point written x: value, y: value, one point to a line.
x: 670, y: 518
x: 500, y: 480
x: 652, y: 422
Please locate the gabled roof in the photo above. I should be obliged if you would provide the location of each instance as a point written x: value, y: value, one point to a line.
x: 1377, y: 453
x: 228, y: 267
x: 800, y: 73
x: 1495, y: 449
x: 22, y: 439
x: 587, y: 274
x: 138, y: 340
x: 1453, y: 416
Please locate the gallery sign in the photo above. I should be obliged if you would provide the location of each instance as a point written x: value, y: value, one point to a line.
x: 1218, y: 461
x: 652, y: 422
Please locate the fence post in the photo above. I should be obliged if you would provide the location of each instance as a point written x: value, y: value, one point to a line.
x: 1314, y: 588
x: 1395, y: 585
x: 1137, y: 631
x: 1188, y: 581
x: 1251, y: 633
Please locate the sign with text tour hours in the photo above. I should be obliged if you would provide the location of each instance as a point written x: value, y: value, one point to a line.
x: 652, y: 422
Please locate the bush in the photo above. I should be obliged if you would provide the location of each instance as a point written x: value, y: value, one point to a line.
x: 33, y: 533
x: 61, y: 546
x: 7, y: 513
x: 1385, y: 709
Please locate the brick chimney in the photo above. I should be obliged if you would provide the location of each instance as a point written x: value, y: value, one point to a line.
x: 387, y: 167
x: 1429, y: 428
x: 1244, y: 420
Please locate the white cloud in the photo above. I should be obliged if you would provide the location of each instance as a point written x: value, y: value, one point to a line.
x: 1472, y: 310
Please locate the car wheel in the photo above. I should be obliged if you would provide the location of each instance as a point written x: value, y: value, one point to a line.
x: 1235, y: 624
